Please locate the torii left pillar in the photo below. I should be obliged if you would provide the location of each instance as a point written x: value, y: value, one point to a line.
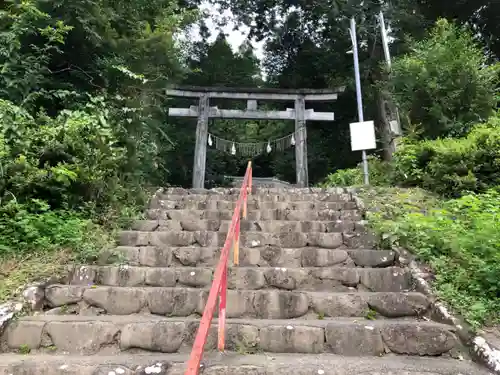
x: 200, y: 151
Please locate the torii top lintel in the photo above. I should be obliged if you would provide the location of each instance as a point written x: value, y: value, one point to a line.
x: 255, y: 93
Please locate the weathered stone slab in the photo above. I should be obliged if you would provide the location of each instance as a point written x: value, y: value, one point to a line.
x: 355, y: 240
x: 391, y: 279
x: 163, y: 276
x: 273, y: 304
x: 325, y: 240
x: 24, y: 334
x: 373, y: 258
x: 395, y: 305
x: 418, y: 339
x: 155, y: 256
x: 81, y: 337
x: 316, y: 257
x: 166, y: 337
x: 345, y: 276
x: 120, y: 276
x: 346, y: 304
x: 146, y: 225
x: 240, y: 337
x: 176, y: 301
x: 82, y: 275
x: 354, y: 340
x: 195, y: 277
x: 292, y: 339
x: 60, y: 295
x: 187, y: 256
x: 246, y: 278
x: 116, y: 301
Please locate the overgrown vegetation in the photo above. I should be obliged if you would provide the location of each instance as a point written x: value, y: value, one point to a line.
x: 447, y: 166
x: 445, y: 207
x: 69, y: 156
x: 458, y: 238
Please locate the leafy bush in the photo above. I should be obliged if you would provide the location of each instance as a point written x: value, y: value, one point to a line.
x: 380, y: 173
x: 34, y: 227
x: 459, y: 238
x: 66, y: 161
x: 452, y: 166
x: 445, y: 84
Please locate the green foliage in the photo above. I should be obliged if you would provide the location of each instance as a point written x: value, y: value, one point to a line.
x: 380, y: 174
x: 68, y: 160
x: 449, y: 167
x: 459, y: 239
x: 25, y: 66
x: 444, y: 84
x: 34, y: 227
x: 75, y: 154
x: 452, y: 166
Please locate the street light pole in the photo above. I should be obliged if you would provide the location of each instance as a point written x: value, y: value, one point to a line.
x: 385, y: 42
x: 396, y: 128
x: 359, y: 98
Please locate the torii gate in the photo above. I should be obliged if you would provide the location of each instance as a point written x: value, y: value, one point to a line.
x: 299, y: 113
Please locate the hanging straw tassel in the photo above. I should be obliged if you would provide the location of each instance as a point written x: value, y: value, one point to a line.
x: 251, y: 149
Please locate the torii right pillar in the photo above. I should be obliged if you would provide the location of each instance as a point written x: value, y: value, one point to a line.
x: 301, y: 168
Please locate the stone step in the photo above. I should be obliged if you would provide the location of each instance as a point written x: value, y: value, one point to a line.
x: 261, y: 304
x: 266, y: 256
x: 274, y: 226
x: 276, y: 214
x: 233, y: 363
x: 262, y: 194
x: 347, y: 337
x: 247, y: 239
x: 334, y: 279
x: 252, y: 205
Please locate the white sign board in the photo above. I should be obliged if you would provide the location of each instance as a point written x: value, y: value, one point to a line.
x: 362, y: 136
x: 395, y: 128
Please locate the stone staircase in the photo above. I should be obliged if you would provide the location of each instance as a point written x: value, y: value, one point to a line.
x: 309, y: 297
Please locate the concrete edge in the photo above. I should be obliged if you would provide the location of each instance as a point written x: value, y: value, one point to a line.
x: 482, y: 351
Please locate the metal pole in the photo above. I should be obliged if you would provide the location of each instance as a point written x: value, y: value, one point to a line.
x: 358, y: 93
x: 385, y: 43
x: 387, y: 54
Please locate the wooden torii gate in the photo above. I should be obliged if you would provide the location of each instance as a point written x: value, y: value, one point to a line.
x: 299, y: 113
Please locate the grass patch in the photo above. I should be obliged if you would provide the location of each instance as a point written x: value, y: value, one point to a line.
x: 458, y: 238
x: 37, y: 242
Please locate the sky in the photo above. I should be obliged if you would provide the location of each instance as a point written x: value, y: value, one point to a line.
x: 234, y: 38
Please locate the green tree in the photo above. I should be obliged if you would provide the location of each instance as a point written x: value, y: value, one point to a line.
x: 444, y: 85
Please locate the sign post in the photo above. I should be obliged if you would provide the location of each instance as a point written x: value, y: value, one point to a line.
x: 362, y: 139
x: 359, y: 98
x: 362, y: 136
